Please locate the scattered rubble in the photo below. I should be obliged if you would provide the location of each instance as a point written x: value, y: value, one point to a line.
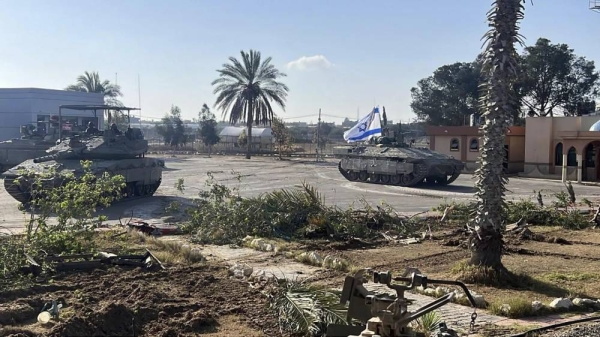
x: 561, y: 303
x: 583, y: 302
x: 241, y: 271
x: 537, y: 306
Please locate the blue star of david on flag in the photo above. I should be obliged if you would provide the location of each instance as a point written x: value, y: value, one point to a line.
x: 366, y: 128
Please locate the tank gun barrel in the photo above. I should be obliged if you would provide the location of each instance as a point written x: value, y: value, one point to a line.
x: 44, y: 159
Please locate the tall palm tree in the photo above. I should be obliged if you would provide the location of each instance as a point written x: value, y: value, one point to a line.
x: 246, y: 90
x: 500, y: 61
x: 90, y: 82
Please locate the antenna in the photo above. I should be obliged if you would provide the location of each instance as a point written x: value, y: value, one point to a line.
x: 116, y: 77
x: 140, y: 100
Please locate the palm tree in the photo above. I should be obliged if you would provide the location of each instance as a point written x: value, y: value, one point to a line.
x: 90, y: 82
x: 498, y: 100
x: 246, y: 90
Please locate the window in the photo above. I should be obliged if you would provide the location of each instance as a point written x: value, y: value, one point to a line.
x: 590, y: 156
x: 454, y: 144
x: 474, y: 145
x: 558, y: 154
x: 572, y: 157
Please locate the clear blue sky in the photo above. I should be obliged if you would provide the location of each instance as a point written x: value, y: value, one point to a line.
x: 357, y: 53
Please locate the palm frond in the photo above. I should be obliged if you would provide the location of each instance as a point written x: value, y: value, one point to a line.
x: 246, y: 86
x: 307, y: 309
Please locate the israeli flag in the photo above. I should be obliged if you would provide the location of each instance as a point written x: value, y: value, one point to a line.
x: 366, y: 128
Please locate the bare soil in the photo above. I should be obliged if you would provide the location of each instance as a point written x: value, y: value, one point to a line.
x: 180, y: 301
x: 568, y: 267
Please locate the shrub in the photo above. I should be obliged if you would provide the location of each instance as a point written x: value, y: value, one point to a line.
x: 220, y: 215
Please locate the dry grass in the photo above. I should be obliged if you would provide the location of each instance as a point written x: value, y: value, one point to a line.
x: 167, y: 251
x: 513, y: 307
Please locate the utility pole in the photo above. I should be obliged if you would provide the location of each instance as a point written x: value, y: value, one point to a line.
x: 140, y: 100
x: 318, y: 135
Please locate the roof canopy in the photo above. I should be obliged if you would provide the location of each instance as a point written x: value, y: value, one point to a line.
x: 235, y: 131
x: 97, y: 107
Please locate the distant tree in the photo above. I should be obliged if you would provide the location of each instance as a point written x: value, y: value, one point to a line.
x: 282, y: 135
x: 324, y: 131
x: 449, y: 96
x: 171, y: 128
x: 247, y: 89
x: 556, y: 81
x: 337, y: 133
x: 243, y: 139
x: 384, y: 117
x: 90, y: 82
x: 300, y: 134
x: 208, y: 128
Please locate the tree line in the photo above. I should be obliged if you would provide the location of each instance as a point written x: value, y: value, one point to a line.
x: 550, y: 80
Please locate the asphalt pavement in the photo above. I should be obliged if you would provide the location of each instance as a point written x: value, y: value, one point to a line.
x: 263, y: 174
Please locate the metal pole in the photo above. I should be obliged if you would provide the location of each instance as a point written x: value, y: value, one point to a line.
x: 318, y: 134
x: 140, y: 100
x: 59, y: 123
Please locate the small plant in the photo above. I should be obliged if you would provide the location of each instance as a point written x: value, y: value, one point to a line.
x: 429, y: 322
x: 180, y: 185
x: 173, y: 207
x: 73, y: 204
x: 562, y: 199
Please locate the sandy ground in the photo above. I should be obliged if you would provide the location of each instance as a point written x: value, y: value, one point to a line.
x: 263, y: 174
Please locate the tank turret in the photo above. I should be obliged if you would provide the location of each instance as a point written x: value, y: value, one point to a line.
x: 32, y: 143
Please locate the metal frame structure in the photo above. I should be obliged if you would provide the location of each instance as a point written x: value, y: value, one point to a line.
x: 93, y: 108
x: 595, y: 5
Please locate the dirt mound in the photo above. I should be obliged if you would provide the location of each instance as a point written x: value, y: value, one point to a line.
x: 183, y: 301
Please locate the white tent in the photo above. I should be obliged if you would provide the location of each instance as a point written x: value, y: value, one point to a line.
x: 235, y: 131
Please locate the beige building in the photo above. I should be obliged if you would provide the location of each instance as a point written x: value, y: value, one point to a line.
x: 462, y: 143
x: 547, y: 147
x: 562, y: 148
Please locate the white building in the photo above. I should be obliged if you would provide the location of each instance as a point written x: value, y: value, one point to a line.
x: 230, y: 134
x: 21, y: 106
x: 262, y: 138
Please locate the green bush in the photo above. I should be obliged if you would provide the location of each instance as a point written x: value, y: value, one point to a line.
x: 556, y: 215
x: 221, y: 216
x: 73, y: 205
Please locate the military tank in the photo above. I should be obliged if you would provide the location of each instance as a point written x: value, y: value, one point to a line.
x: 30, y: 145
x: 389, y: 162
x: 109, y: 151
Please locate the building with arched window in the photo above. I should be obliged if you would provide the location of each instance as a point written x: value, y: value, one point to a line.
x: 464, y: 142
x: 564, y: 148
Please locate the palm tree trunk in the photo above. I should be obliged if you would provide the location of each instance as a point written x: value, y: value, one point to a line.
x: 249, y: 124
x: 499, y: 69
x: 209, y: 150
x: 279, y: 148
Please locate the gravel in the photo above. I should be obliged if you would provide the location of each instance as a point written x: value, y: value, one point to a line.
x: 580, y: 330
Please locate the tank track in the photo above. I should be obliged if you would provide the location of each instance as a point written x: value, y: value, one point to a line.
x: 130, y: 192
x: 404, y: 180
x: 15, y: 192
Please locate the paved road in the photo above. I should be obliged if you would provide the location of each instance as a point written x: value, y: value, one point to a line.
x: 263, y: 174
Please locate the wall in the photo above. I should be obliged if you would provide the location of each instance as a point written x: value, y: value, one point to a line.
x: 442, y: 145
x: 15, y: 110
x: 23, y: 105
x: 442, y: 137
